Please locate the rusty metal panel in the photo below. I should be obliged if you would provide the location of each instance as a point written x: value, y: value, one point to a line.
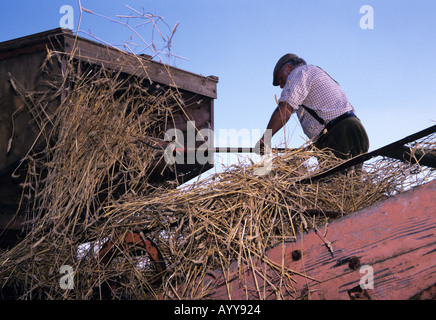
x: 395, y: 239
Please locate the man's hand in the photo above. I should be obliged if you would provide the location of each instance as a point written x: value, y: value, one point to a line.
x: 259, y: 148
x: 262, y: 148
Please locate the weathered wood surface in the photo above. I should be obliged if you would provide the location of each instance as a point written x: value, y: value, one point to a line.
x: 20, y: 70
x: 113, y: 58
x: 396, y: 238
x: 110, y: 57
x: 21, y: 74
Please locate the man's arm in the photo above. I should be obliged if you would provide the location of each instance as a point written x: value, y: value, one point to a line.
x: 278, y: 119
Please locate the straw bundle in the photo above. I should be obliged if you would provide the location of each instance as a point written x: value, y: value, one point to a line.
x: 237, y: 215
x: 95, y: 152
x: 90, y: 185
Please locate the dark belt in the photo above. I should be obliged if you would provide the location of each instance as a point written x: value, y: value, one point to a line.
x: 335, y: 121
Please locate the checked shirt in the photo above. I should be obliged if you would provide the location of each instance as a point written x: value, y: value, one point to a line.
x: 311, y: 86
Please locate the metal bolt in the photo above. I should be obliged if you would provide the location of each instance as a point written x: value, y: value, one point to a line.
x: 296, y: 255
x: 354, y: 263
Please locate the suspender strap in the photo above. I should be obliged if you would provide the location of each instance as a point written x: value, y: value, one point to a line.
x: 314, y: 114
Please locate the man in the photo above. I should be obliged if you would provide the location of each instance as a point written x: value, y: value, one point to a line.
x: 323, y: 109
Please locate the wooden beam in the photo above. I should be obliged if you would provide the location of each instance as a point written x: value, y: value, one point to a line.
x: 33, y: 43
x: 116, y: 59
x: 110, y: 57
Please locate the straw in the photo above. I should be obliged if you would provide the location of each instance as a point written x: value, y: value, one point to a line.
x: 91, y: 184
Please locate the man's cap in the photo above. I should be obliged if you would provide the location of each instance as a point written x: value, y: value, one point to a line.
x: 282, y: 61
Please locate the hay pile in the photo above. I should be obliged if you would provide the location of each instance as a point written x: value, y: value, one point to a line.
x: 90, y: 184
x: 96, y: 152
x: 237, y: 215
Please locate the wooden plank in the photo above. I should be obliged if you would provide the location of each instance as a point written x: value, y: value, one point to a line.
x: 111, y: 57
x: 117, y: 59
x: 396, y: 238
x: 33, y: 43
x: 17, y: 131
x: 21, y: 59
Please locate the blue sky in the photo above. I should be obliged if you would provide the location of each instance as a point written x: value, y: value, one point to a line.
x: 388, y: 72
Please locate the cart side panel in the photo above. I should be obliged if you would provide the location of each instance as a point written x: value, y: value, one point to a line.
x: 19, y: 76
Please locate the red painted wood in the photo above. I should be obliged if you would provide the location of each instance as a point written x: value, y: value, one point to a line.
x: 396, y: 237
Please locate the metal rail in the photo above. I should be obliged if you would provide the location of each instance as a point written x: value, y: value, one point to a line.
x: 395, y: 150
